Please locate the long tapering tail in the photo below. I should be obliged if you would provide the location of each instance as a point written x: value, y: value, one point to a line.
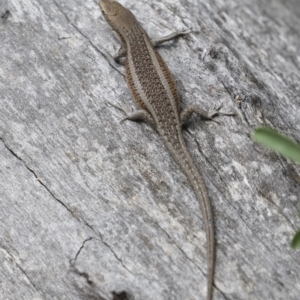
x: 187, y: 165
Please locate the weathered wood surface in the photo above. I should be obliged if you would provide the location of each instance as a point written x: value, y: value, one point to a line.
x: 91, y: 208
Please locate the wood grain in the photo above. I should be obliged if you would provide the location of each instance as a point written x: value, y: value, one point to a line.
x: 91, y: 208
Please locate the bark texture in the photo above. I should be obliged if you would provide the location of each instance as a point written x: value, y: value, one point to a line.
x: 94, y: 209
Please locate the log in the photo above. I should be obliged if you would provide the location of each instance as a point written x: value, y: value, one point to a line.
x: 95, y: 209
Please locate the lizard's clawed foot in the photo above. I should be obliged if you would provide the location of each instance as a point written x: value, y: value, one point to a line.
x: 170, y: 37
x: 136, y: 115
x: 215, y: 111
x: 205, y: 115
x: 124, y: 110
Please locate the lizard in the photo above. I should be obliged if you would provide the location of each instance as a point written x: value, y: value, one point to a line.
x: 154, y: 91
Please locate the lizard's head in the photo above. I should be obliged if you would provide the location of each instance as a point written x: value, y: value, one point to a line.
x: 117, y: 16
x: 110, y: 9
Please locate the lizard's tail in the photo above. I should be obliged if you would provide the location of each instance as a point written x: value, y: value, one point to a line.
x: 185, y: 161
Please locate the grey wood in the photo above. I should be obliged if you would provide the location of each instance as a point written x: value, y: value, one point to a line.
x: 91, y: 208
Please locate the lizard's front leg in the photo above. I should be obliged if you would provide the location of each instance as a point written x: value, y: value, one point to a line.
x: 122, y: 51
x: 169, y: 37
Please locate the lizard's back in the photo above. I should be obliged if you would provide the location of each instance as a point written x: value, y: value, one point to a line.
x: 150, y: 81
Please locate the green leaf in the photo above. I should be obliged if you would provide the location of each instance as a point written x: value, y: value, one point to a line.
x: 296, y: 241
x: 278, y: 142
